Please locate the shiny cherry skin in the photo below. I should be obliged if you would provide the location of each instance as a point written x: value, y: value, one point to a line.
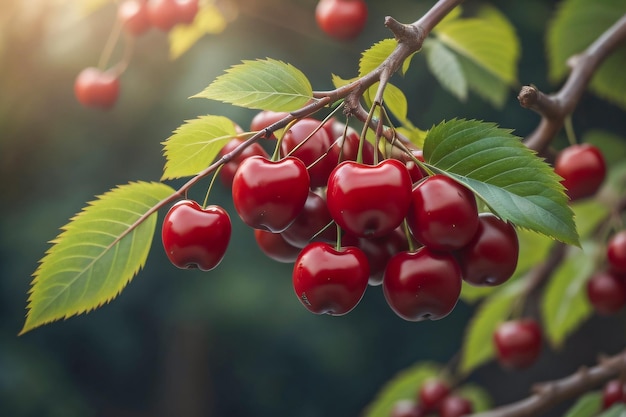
x: 227, y: 172
x: 330, y: 281
x: 455, y: 406
x: 341, y: 19
x: 275, y: 247
x: 194, y: 237
x: 134, y: 16
x: 312, y: 151
x: 518, y: 343
x: 266, y: 118
x: 490, y: 258
x: 422, y: 285
x: 613, y: 392
x: 269, y: 195
x: 616, y: 252
x: 163, y: 14
x: 606, y: 291
x: 312, y: 224
x: 369, y: 200
x: 96, y: 88
x: 443, y: 214
x: 432, y: 392
x: 582, y: 168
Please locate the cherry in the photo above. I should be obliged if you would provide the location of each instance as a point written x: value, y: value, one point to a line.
x: 490, y: 258
x: 227, y: 172
x: 330, y: 281
x: 432, y: 392
x: 341, y: 19
x: 407, y: 408
x: 345, y: 148
x: 311, y: 224
x: 310, y: 152
x: 134, y: 16
x: 455, y: 406
x: 443, y: 214
x: 266, y: 118
x: 582, y: 168
x: 416, y: 172
x: 518, y: 343
x: 369, y: 200
x: 616, y: 252
x: 163, y: 14
x: 194, y: 237
x: 275, y: 246
x: 186, y: 11
x: 606, y: 291
x: 613, y: 392
x: 96, y: 88
x: 269, y: 195
x: 422, y: 285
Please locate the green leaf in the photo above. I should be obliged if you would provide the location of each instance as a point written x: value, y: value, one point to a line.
x: 195, y: 144
x: 477, y: 344
x: 375, y: 55
x: 617, y: 410
x: 393, y: 99
x: 576, y: 25
x: 403, y: 386
x: 484, y: 84
x: 413, y: 133
x: 588, y: 215
x: 480, y: 398
x: 445, y: 66
x: 209, y: 20
x: 265, y: 84
x: 505, y: 174
x: 564, y: 303
x: 586, y: 406
x: 96, y: 254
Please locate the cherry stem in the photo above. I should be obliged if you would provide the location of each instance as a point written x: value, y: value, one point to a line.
x: 208, y: 191
x: 109, y: 46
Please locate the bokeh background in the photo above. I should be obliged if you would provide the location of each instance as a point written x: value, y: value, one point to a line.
x: 234, y: 341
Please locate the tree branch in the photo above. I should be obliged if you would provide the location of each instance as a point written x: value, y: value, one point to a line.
x: 548, y: 394
x: 554, y: 108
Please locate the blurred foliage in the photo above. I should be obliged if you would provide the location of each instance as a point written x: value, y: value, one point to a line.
x: 235, y: 341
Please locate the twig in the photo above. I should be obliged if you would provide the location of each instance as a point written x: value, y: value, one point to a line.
x: 554, y: 108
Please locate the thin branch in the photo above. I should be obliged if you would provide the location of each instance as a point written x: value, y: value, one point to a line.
x: 549, y: 394
x: 554, y: 108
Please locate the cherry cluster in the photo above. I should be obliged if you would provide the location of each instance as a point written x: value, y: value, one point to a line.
x: 434, y: 398
x: 348, y: 216
x: 98, y: 88
x: 606, y: 289
x: 613, y: 392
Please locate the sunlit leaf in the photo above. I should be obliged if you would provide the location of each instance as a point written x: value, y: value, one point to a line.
x: 564, y: 304
x: 265, y: 84
x: 445, y: 66
x: 576, y: 25
x: 195, y: 144
x: 374, y: 56
x: 209, y: 20
x: 483, y: 83
x: 402, y: 386
x: 96, y: 254
x: 393, y: 99
x: 516, y: 184
x: 477, y: 344
x: 586, y: 406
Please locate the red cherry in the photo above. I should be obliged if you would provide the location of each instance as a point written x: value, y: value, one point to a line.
x: 612, y: 393
x: 432, y: 392
x: 163, y: 14
x: 518, y: 343
x: 422, y: 285
x: 341, y: 19
x: 407, y: 408
x: 266, y: 118
x: 606, y: 291
x: 269, y: 195
x: 346, y: 148
x: 96, y: 88
x: 490, y: 258
x: 616, y: 252
x: 194, y: 237
x: 275, y: 246
x: 366, y: 200
x: 227, y: 172
x: 330, y: 281
x: 186, y: 11
x: 311, y: 151
x: 582, y: 168
x: 134, y: 16
x: 443, y: 214
x: 313, y: 218
x: 416, y: 172
x: 455, y: 406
